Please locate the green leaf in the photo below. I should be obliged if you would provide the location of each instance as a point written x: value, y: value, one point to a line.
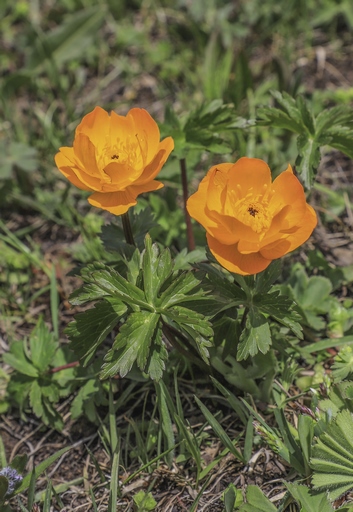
x: 165, y: 416
x: 265, y: 279
x: 256, y: 335
x: 91, y: 327
x: 43, y: 466
x: 219, y: 431
x: 69, y: 40
x: 4, y: 484
x: 103, y: 281
x: 341, y: 139
x: 306, y: 426
x: 19, y: 463
x: 328, y: 118
x: 332, y: 457
x: 306, y: 115
x: 308, y: 501
x: 195, y: 325
x: 178, y: 290
x: 277, y: 119
x: 145, y: 501
x: 257, y: 501
x: 18, y: 360
x: 308, y: 158
x: 16, y: 155
x: 35, y: 399
x: 233, y: 401
x: 43, y: 346
x: 156, y: 269
x: 155, y: 365
x: 132, y: 344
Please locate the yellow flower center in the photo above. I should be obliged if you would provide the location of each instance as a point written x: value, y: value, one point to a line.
x: 254, y: 214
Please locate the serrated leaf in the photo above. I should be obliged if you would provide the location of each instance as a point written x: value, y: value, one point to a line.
x: 18, y: 360
x: 332, y: 456
x: 308, y: 158
x: 178, y: 290
x: 306, y: 115
x: 132, y: 344
x: 91, y: 327
x: 289, y: 104
x: 155, y: 365
x: 103, y: 281
x: 277, y: 119
x: 341, y: 139
x: 156, y: 269
x: 255, y: 337
x: 328, y: 118
x: 85, y: 393
x: 265, y: 279
x: 186, y: 316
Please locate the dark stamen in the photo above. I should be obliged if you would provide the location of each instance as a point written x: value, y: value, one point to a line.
x: 253, y: 211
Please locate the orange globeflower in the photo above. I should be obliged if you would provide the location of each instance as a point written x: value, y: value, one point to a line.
x: 115, y: 157
x: 249, y: 219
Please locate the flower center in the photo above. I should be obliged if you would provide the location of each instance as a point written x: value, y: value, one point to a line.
x: 253, y: 214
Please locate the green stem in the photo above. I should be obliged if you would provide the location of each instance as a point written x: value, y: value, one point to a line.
x: 184, y: 183
x: 129, y: 237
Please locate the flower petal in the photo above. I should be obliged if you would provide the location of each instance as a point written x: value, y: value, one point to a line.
x: 65, y: 166
x: 114, y: 202
x: 146, y: 187
x: 247, y: 176
x: 151, y: 170
x: 287, y: 190
x: 96, y: 126
x: 231, y: 259
x: 146, y: 132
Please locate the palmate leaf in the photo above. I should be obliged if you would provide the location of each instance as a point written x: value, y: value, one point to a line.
x: 132, y: 344
x: 91, y: 327
x: 103, y: 281
x: 255, y: 337
x: 332, y: 457
x: 282, y: 309
x: 332, y: 126
x: 194, y: 325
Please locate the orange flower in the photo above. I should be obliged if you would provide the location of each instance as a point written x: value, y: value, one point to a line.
x: 249, y: 219
x: 115, y: 157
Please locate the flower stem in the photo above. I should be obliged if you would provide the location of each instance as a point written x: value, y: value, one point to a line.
x: 129, y: 237
x: 243, y: 320
x: 184, y: 183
